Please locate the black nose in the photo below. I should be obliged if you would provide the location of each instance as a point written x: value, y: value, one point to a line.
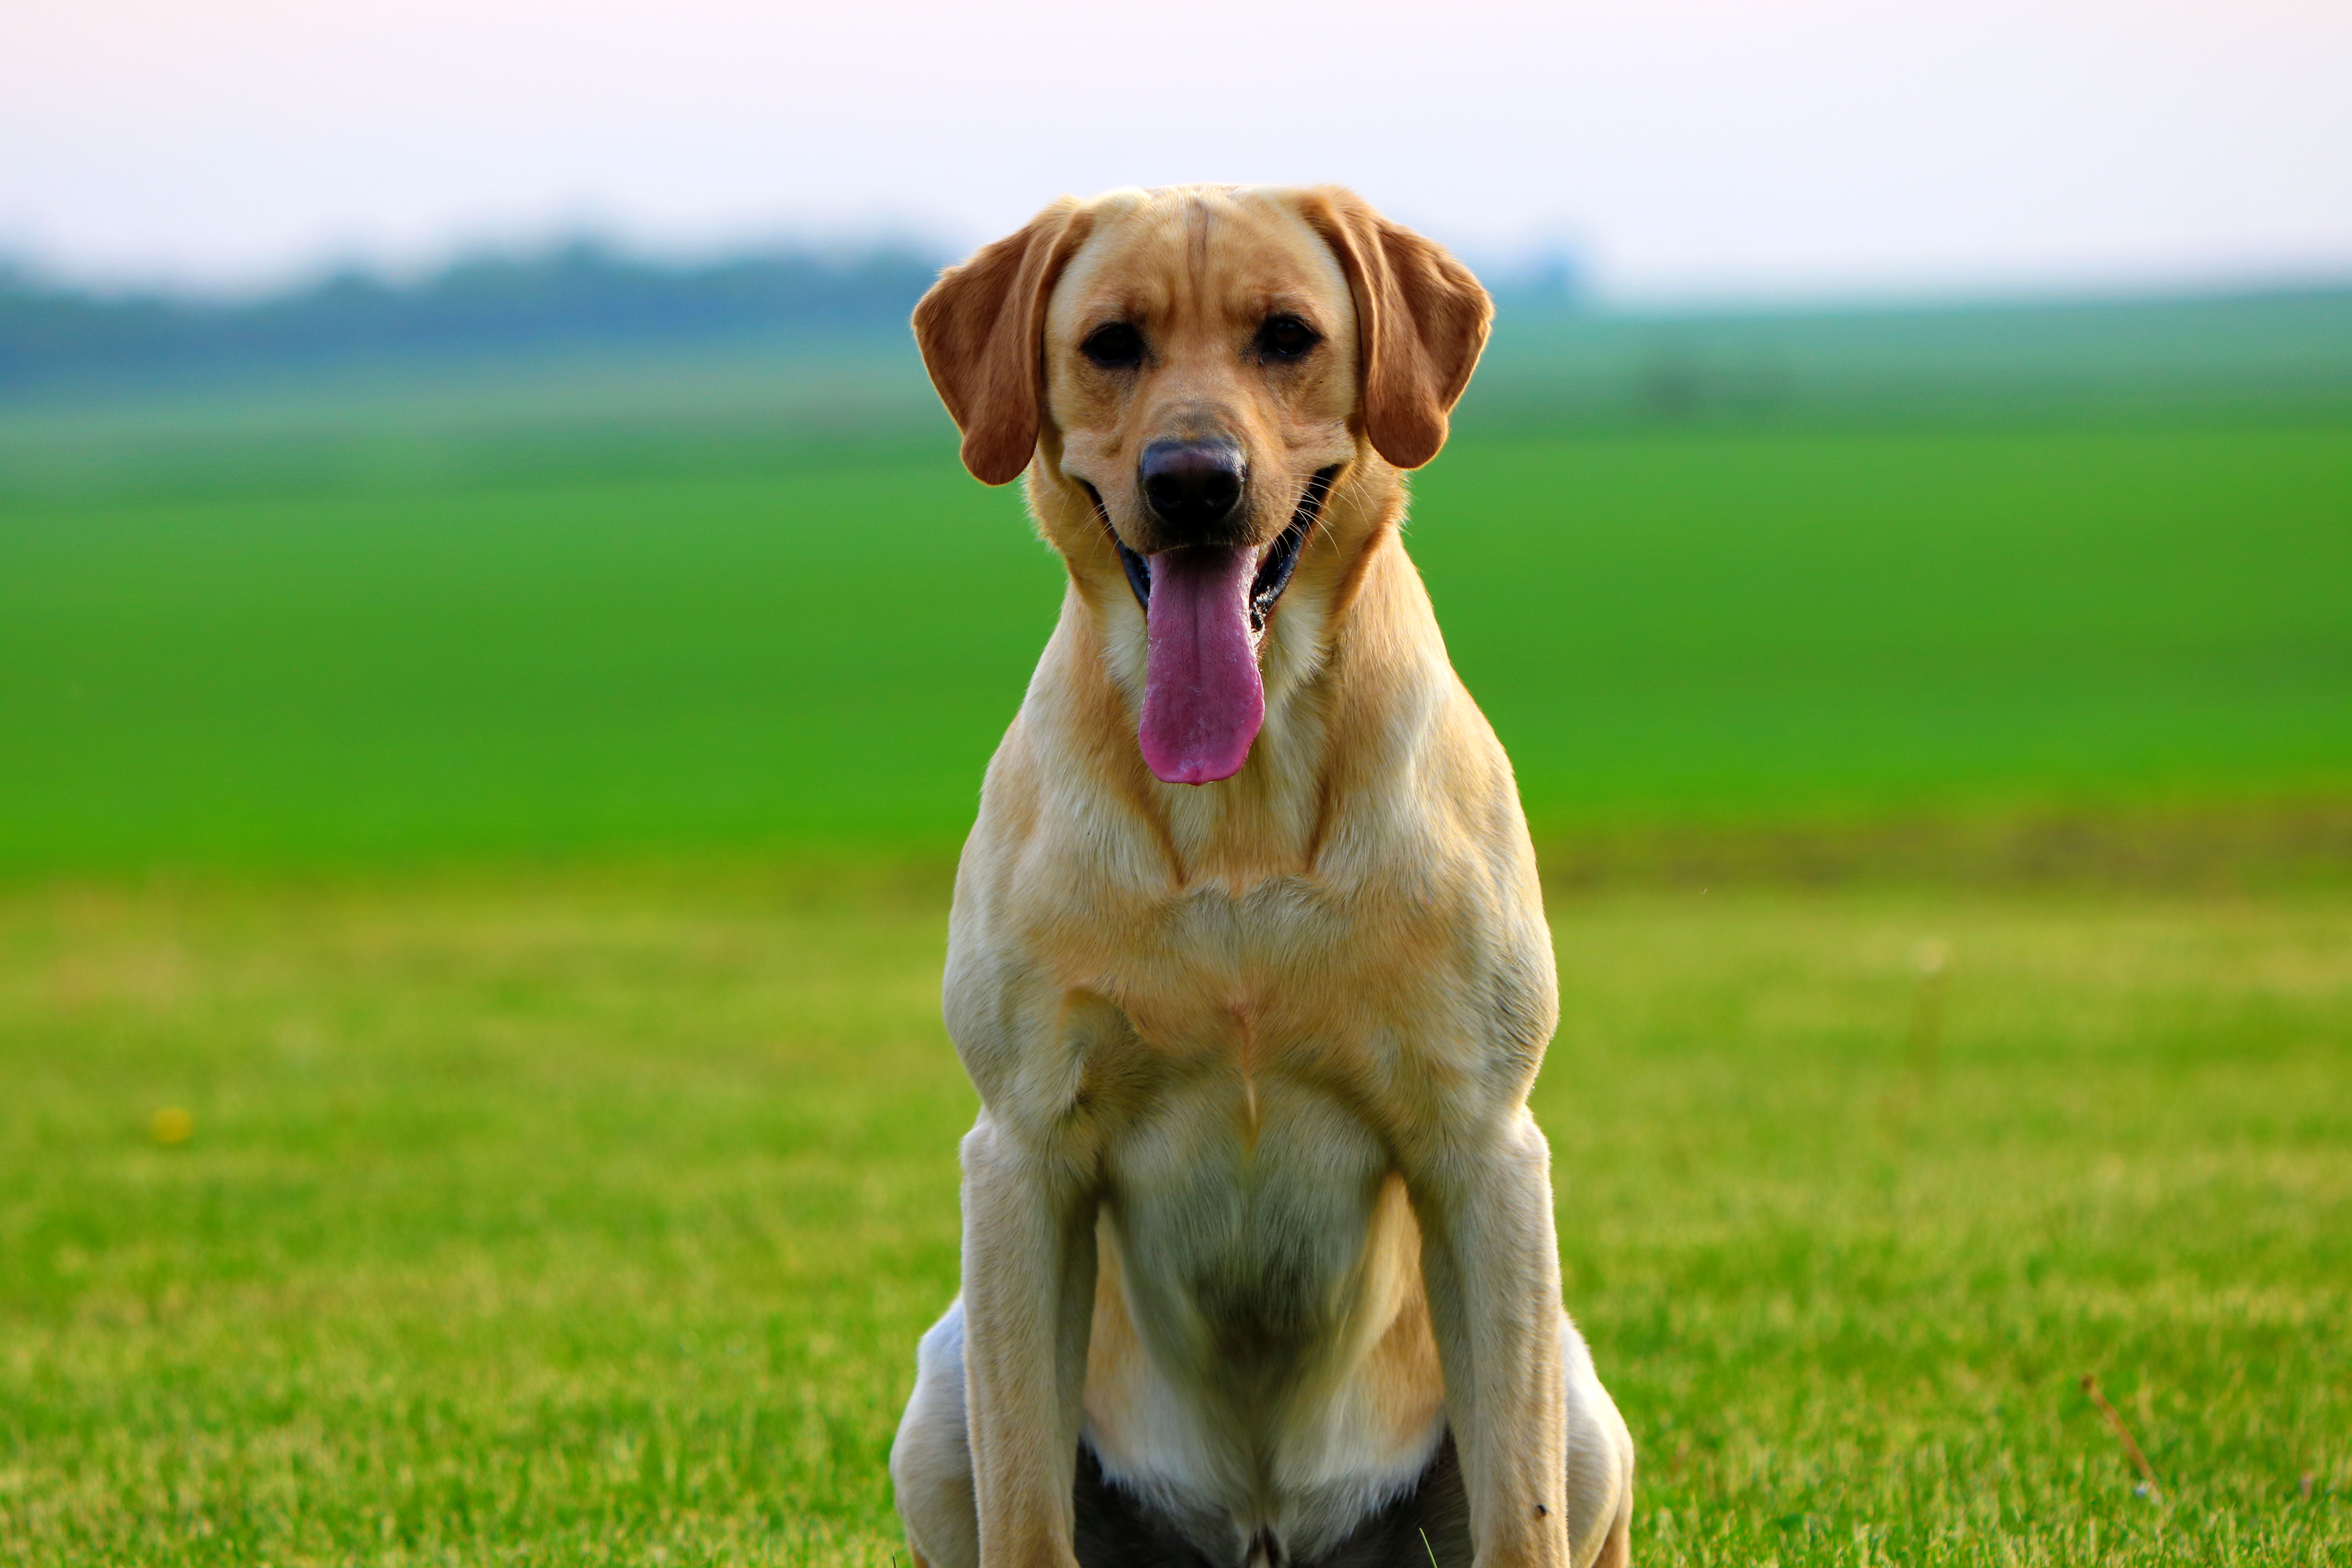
x: 1193, y: 485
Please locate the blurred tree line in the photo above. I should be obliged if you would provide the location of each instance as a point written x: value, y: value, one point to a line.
x: 579, y: 293
x: 1558, y: 359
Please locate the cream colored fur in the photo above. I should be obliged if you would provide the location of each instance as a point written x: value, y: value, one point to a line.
x: 1255, y: 1205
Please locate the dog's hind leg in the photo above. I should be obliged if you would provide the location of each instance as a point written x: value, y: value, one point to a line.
x: 931, y: 1472
x: 1600, y: 1462
x: 1617, y: 1550
x: 931, y: 1461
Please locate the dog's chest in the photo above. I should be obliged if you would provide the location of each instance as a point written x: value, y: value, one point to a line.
x: 1287, y: 982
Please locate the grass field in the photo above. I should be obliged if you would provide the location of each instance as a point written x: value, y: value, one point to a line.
x: 591, y: 1216
x: 820, y: 648
x: 509, y: 826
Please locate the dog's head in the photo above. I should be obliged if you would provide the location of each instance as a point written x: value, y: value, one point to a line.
x: 1196, y: 373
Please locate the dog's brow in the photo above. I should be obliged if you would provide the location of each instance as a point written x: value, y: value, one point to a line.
x: 1283, y: 304
x: 1104, y: 308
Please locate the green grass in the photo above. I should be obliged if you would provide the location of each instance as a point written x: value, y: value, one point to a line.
x: 1767, y: 624
x: 571, y: 1213
x: 591, y: 1217
x: 391, y: 672
x: 595, y: 643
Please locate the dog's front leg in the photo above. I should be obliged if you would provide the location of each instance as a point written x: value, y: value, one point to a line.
x: 1492, y: 1268
x: 1028, y: 1292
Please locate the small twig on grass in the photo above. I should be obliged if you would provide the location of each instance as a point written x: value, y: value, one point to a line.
x: 2114, y: 1420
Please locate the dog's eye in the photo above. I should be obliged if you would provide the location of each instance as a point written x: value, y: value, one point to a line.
x: 1286, y: 338
x: 1118, y: 346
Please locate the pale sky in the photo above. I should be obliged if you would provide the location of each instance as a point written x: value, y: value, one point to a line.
x: 1680, y: 148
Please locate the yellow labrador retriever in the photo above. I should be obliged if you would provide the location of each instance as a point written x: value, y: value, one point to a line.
x: 1249, y: 961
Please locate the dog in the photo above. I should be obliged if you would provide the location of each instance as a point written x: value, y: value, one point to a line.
x: 1248, y: 960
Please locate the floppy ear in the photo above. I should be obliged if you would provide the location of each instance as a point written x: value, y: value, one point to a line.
x: 1420, y: 321
x: 980, y: 329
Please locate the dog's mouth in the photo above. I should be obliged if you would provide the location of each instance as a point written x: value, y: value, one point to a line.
x: 1273, y: 568
x: 1205, y: 609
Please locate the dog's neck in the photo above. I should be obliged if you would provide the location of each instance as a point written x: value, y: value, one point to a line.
x: 1355, y: 675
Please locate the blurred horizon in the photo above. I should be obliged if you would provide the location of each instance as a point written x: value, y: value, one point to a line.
x: 1550, y: 266
x: 1553, y: 265
x: 821, y: 314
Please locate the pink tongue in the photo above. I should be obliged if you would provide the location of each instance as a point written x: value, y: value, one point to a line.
x: 1203, y: 700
